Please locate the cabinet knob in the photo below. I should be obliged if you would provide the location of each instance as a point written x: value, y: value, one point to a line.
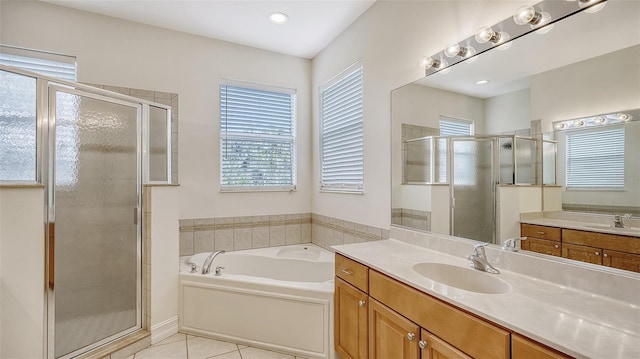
x: 347, y: 272
x: 410, y: 336
x: 422, y: 344
x: 605, y: 255
x: 556, y: 246
x: 362, y: 303
x: 597, y: 253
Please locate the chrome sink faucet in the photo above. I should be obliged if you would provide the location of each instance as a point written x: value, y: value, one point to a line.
x: 479, y: 259
x: 511, y: 244
x: 206, y: 267
x: 620, y: 221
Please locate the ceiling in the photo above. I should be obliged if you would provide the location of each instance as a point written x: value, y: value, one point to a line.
x: 312, y: 24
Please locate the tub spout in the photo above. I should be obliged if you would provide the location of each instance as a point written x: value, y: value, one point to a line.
x: 206, y: 267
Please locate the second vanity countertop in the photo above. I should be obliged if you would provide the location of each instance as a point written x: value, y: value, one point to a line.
x: 583, y: 226
x: 574, y: 322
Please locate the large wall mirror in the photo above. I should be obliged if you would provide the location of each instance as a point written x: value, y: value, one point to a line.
x: 513, y: 103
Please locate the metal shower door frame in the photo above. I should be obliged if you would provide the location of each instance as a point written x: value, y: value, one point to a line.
x: 47, y: 126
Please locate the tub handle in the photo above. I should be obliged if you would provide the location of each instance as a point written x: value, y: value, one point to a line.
x: 194, y: 267
x: 362, y: 303
x: 347, y: 272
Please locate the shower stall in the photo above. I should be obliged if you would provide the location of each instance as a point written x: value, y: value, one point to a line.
x: 472, y: 167
x: 92, y: 150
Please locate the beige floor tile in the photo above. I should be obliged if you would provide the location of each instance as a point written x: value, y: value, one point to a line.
x: 179, y: 337
x: 201, y: 348
x: 232, y: 355
x: 255, y: 353
x: 177, y: 350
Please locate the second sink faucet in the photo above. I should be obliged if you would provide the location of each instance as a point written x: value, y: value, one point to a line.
x: 620, y: 221
x: 206, y: 267
x: 479, y: 259
x: 511, y: 244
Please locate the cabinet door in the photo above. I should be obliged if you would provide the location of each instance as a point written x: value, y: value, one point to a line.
x: 436, y: 348
x: 392, y: 335
x: 582, y: 253
x: 523, y: 348
x: 542, y: 246
x: 351, y: 329
x: 620, y: 260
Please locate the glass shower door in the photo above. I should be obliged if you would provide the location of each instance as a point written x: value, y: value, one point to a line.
x: 473, y: 189
x: 94, y: 201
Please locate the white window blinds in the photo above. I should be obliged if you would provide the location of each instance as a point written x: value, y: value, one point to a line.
x: 595, y: 159
x: 455, y: 127
x: 342, y: 150
x: 257, y: 130
x: 44, y: 63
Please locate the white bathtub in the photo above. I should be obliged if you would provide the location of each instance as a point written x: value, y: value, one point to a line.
x: 279, y: 298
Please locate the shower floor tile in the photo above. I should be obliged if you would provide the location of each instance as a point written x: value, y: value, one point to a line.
x: 182, y: 346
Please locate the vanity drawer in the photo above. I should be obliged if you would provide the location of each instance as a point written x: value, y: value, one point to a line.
x: 602, y: 240
x: 549, y: 233
x: 352, y: 272
x: 543, y: 246
x: 472, y: 335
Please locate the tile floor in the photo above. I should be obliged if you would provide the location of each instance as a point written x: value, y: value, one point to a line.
x: 182, y: 346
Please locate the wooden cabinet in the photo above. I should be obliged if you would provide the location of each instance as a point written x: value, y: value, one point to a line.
x: 436, y: 348
x: 350, y: 321
x: 541, y: 239
x: 612, y: 250
x: 582, y: 253
x: 392, y: 335
x: 524, y: 348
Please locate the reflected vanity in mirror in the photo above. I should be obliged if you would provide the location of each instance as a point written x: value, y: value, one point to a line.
x: 534, y: 134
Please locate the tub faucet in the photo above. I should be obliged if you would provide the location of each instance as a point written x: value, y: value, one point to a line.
x: 479, y: 259
x: 620, y: 221
x: 206, y: 267
x: 511, y: 244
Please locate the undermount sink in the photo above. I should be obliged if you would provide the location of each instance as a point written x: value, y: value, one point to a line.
x: 463, y: 278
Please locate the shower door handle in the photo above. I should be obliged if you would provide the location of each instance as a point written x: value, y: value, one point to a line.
x: 135, y: 216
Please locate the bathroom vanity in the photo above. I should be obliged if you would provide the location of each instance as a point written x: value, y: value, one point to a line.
x: 386, y: 306
x: 592, y: 243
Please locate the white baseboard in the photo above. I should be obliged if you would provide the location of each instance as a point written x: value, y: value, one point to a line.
x: 164, y: 330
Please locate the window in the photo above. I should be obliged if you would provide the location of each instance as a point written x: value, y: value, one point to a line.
x: 455, y: 127
x: 595, y: 159
x: 341, y: 142
x: 257, y: 138
x: 18, y: 109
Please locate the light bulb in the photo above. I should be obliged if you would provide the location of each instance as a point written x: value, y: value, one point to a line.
x: 525, y: 15
x: 437, y: 65
x: 625, y: 117
x: 595, y: 8
x: 453, y: 50
x: 484, y: 34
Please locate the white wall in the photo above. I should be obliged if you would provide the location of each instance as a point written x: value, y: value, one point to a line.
x: 508, y: 112
x: 121, y: 53
x: 22, y: 287
x: 390, y: 39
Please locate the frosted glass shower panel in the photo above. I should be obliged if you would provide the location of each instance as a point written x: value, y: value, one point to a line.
x: 158, y: 144
x: 525, y: 160
x: 549, y: 162
x: 97, y: 241
x: 17, y: 127
x: 507, y: 174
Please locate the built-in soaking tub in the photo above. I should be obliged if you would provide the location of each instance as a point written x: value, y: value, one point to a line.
x: 280, y: 298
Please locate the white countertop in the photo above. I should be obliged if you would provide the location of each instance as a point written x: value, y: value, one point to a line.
x: 577, y: 323
x: 583, y: 226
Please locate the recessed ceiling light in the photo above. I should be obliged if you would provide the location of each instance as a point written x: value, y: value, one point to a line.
x: 482, y: 82
x: 278, y: 18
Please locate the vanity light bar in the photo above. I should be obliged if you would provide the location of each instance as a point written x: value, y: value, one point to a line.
x: 599, y: 120
x: 540, y: 17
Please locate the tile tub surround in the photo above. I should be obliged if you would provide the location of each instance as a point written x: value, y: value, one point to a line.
x: 580, y: 310
x: 237, y: 233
